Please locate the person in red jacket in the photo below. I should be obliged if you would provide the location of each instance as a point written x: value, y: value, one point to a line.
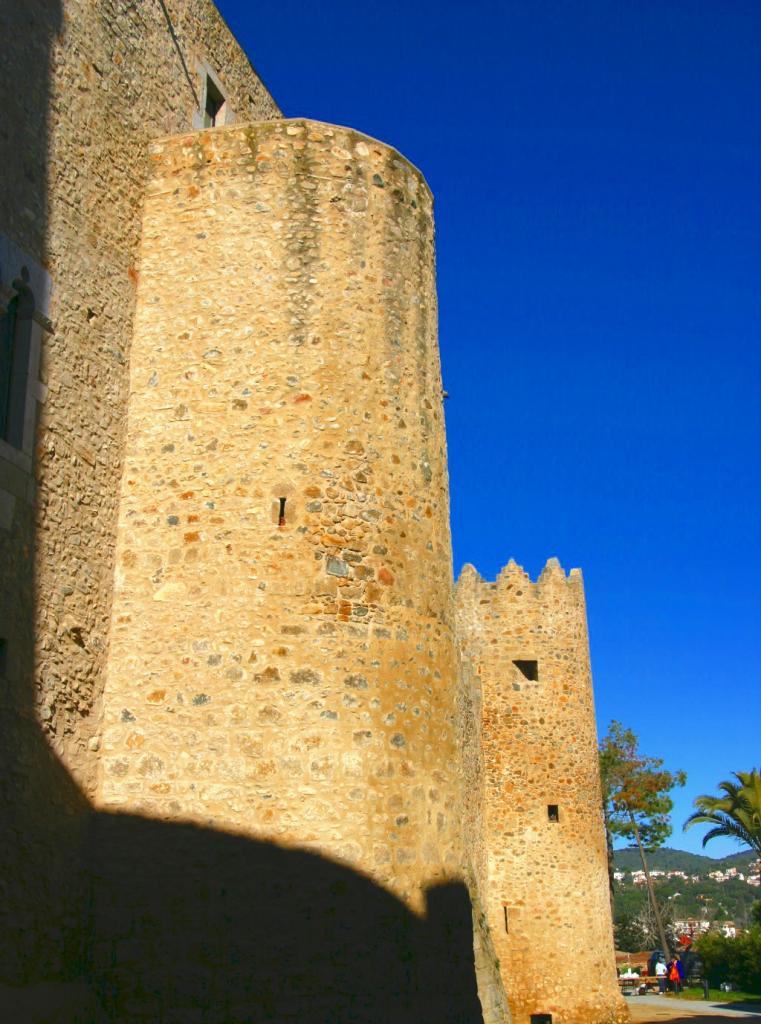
x: 675, y: 974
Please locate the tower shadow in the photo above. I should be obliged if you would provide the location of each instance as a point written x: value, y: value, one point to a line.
x: 193, y: 925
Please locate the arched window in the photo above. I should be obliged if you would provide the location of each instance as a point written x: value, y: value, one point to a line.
x: 15, y: 349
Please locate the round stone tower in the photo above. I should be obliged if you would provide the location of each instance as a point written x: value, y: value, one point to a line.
x: 281, y: 658
x: 544, y: 861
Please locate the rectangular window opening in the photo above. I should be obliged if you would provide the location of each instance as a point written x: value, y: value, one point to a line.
x: 15, y: 351
x: 541, y: 1018
x: 553, y: 812
x: 3, y: 657
x: 281, y: 513
x: 215, y: 103
x: 507, y: 927
x: 529, y: 669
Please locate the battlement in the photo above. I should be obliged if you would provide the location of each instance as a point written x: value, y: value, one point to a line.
x: 552, y: 604
x: 512, y: 574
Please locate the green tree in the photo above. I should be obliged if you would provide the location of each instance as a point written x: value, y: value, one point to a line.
x: 736, y: 814
x: 627, y: 933
x: 636, y: 790
x: 755, y: 913
x: 636, y: 802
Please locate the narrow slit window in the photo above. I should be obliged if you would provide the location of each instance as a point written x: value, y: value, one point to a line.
x: 281, y: 512
x: 3, y: 657
x: 507, y: 924
x: 15, y: 348
x: 215, y: 105
x: 529, y: 669
x: 553, y: 812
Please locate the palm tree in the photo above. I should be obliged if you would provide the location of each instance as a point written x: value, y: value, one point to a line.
x: 736, y: 814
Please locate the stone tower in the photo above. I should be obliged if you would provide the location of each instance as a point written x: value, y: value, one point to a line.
x: 544, y: 856
x: 247, y: 770
x: 282, y: 658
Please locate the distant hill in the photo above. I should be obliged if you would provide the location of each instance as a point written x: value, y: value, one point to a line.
x: 727, y: 900
x: 668, y: 859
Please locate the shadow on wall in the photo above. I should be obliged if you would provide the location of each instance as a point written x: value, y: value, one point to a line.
x: 182, y: 925
x: 194, y: 925
x: 42, y: 813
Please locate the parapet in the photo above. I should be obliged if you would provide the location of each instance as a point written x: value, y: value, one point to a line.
x: 513, y: 584
x: 538, y: 615
x: 204, y: 149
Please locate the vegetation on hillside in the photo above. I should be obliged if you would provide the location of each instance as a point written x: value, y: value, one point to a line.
x: 666, y: 858
x: 679, y: 900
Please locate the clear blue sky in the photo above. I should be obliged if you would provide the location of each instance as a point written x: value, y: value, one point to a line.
x: 597, y: 172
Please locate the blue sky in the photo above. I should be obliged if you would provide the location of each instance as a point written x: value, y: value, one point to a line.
x: 597, y: 173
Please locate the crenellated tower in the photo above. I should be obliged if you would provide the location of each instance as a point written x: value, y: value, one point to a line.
x: 541, y: 843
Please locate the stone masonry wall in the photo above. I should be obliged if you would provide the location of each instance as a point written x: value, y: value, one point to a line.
x: 86, y: 84
x: 121, y: 75
x: 491, y: 989
x: 545, y: 886
x: 288, y: 678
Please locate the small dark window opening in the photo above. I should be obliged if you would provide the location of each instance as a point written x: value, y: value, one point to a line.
x: 504, y: 910
x: 281, y: 513
x: 15, y: 349
x: 553, y: 812
x: 529, y: 669
x: 214, y: 103
x: 3, y: 657
x: 541, y: 1018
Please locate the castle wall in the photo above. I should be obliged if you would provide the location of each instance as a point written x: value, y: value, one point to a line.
x: 544, y: 882
x: 294, y: 681
x: 85, y: 86
x: 121, y: 75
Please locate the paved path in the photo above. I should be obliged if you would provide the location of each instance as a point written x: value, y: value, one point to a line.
x: 653, y: 1009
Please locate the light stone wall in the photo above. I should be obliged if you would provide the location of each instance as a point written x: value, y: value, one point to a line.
x: 122, y: 73
x: 544, y: 883
x: 295, y: 682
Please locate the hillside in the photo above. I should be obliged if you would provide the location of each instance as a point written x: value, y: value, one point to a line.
x: 668, y: 859
x: 682, y: 898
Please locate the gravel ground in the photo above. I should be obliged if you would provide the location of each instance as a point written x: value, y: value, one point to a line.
x: 654, y: 1009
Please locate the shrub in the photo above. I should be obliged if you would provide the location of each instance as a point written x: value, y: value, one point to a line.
x: 737, y: 960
